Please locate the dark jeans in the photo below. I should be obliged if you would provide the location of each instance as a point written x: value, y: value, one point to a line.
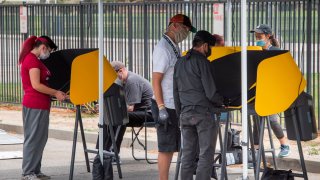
x: 275, y: 126
x: 198, y: 129
x: 136, y: 119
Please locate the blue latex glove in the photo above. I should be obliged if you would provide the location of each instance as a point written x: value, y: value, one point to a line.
x: 164, y: 117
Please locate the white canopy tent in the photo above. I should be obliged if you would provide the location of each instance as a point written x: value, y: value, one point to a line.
x: 101, y: 50
x: 244, y: 88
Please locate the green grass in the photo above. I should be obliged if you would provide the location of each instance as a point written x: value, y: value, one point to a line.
x: 10, y: 92
x: 313, y: 151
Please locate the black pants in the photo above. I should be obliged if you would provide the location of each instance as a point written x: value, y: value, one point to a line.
x: 136, y: 119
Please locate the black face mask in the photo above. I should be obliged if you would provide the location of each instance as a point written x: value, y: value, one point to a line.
x: 208, y: 53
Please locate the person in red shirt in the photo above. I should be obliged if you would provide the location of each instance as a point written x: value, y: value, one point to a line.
x: 36, y: 103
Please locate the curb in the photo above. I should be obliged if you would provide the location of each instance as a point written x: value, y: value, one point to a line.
x: 283, y: 163
x: 68, y: 136
x: 294, y: 164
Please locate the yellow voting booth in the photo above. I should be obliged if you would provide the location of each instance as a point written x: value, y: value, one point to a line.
x: 76, y: 72
x: 84, y: 81
x: 274, y: 79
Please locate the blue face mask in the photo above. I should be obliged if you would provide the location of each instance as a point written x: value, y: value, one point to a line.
x: 260, y: 43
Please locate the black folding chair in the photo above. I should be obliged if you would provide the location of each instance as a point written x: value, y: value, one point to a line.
x: 148, y: 123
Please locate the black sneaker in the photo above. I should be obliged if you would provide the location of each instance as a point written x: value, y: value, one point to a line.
x: 42, y: 176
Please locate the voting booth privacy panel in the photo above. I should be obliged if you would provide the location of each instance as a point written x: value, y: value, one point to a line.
x: 75, y: 71
x: 274, y: 79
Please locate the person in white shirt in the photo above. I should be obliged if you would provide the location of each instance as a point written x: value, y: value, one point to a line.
x: 165, y: 55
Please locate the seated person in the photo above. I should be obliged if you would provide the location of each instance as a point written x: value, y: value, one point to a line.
x: 138, y: 93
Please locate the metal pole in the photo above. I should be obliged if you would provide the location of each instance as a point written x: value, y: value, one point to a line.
x: 309, y: 33
x: 130, y: 39
x: 81, y: 26
x: 146, y: 44
x: 244, y: 88
x: 229, y: 25
x: 298, y: 138
x: 101, y: 105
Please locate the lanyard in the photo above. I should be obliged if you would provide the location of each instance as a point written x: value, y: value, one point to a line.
x: 173, y: 47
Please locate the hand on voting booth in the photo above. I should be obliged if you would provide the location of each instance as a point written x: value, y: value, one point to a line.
x: 75, y: 71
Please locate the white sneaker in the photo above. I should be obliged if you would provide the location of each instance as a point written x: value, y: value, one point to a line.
x: 29, y: 177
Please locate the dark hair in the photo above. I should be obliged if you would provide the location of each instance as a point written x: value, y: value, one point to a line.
x: 197, y: 42
x: 274, y: 41
x: 50, y: 43
x: 219, y: 40
x: 202, y: 37
x: 34, y: 42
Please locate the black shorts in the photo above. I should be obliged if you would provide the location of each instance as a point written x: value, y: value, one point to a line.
x: 169, y: 141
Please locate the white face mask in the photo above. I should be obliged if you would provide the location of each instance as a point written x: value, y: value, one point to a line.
x: 181, y: 35
x: 44, y: 55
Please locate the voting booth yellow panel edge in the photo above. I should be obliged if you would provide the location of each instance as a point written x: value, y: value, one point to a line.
x: 84, y: 83
x: 279, y: 83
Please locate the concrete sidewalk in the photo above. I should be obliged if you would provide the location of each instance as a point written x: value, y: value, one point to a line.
x: 291, y: 162
x: 57, y: 158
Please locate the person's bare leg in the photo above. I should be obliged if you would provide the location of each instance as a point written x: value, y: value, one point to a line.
x: 283, y: 141
x: 164, y: 161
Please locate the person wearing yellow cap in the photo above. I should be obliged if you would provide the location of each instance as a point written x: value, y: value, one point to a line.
x: 165, y: 55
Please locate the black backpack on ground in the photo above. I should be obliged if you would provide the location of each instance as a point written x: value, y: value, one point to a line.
x: 233, y: 139
x: 271, y: 174
x: 234, y: 150
x: 100, y: 172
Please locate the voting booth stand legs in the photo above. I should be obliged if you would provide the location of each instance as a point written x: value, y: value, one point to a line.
x: 261, y: 151
x: 303, y: 165
x: 304, y: 174
x: 261, y: 121
x: 223, y: 146
x: 75, y: 134
x: 86, y: 151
